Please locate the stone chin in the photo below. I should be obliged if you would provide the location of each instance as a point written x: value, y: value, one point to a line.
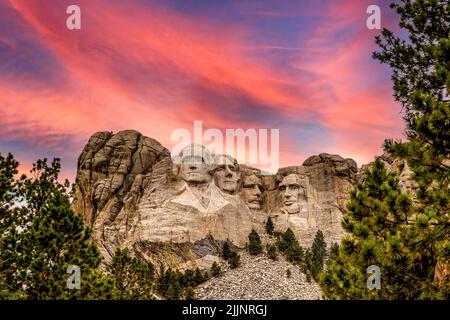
x: 291, y: 208
x: 195, y: 177
x: 228, y: 186
x: 255, y: 205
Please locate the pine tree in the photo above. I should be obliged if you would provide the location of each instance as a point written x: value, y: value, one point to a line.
x: 255, y: 246
x: 189, y: 293
x: 318, y: 250
x: 288, y: 273
x: 269, y: 227
x: 334, y: 252
x: 226, y: 250
x: 289, y: 246
x: 376, y: 226
x: 188, y: 279
x: 198, y: 277
x: 9, y: 221
x: 405, y: 235
x: 216, y: 270
x: 34, y: 261
x: 307, y: 263
x: 169, y: 284
x: 234, y: 260
x: 421, y: 75
x: 272, y: 252
x: 133, y: 278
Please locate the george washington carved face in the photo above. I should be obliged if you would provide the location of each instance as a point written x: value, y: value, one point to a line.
x: 195, y: 164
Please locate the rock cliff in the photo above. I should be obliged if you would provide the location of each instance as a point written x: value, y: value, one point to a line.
x: 180, y: 210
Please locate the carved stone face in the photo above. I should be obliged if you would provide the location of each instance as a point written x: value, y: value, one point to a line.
x: 226, y: 174
x: 289, y: 190
x: 194, y: 163
x: 194, y: 170
x: 252, y: 191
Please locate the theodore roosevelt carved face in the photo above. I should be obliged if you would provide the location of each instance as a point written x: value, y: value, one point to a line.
x: 252, y: 191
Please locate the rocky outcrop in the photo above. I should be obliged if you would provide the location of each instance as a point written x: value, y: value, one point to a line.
x: 180, y: 210
x: 114, y: 171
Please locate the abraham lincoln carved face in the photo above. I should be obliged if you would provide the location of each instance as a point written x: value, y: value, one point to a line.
x: 290, y: 190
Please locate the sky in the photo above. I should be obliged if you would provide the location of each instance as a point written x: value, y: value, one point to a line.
x: 303, y: 67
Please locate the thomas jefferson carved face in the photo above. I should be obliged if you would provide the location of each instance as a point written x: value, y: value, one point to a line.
x: 226, y: 173
x: 252, y: 191
x: 290, y: 189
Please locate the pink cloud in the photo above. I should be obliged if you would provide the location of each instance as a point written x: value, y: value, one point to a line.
x: 132, y: 66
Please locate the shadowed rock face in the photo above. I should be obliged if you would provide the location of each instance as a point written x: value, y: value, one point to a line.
x: 180, y: 211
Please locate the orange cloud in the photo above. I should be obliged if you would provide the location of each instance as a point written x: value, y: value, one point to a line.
x: 154, y: 70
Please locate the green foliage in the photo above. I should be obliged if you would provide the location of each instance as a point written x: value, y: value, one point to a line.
x: 287, y: 244
x: 420, y: 62
x: 41, y: 237
x: 198, y: 277
x: 133, y: 278
x: 169, y: 283
x: 308, y: 278
x: 233, y: 258
x: 272, y: 252
x: 226, y: 250
x: 187, y: 279
x: 314, y: 257
x: 379, y: 234
x: 405, y: 234
x: 288, y: 273
x: 255, y: 246
x: 189, y: 294
x: 174, y: 285
x: 269, y: 227
x: 334, y: 252
x: 216, y: 270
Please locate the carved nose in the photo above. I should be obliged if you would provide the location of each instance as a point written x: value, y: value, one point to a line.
x: 228, y: 172
x: 257, y: 191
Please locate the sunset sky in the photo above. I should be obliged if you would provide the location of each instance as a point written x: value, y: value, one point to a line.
x: 303, y: 67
